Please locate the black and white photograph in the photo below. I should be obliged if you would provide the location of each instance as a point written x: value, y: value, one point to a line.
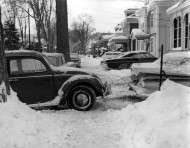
x: 94, y: 73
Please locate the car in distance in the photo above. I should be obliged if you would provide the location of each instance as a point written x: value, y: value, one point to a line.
x: 126, y: 59
x: 109, y: 55
x: 58, y: 59
x: 37, y: 83
x: 74, y: 57
x: 146, y: 76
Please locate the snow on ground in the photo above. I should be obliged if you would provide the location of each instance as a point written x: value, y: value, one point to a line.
x: 116, y: 78
x: 161, y: 121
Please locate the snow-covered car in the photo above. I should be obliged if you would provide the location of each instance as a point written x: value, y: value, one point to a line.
x: 39, y: 84
x: 74, y: 57
x: 58, y: 59
x: 109, y: 55
x: 146, y: 76
x: 126, y: 59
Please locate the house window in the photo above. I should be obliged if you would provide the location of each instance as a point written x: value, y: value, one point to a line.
x: 151, y: 44
x: 151, y: 19
x: 186, y: 30
x: 177, y: 32
x: 142, y: 45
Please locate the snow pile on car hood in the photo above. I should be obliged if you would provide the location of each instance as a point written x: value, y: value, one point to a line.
x: 21, y: 126
x: 163, y: 120
x: 178, y: 63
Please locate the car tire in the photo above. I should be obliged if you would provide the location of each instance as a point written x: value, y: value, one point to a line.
x: 81, y: 98
x: 124, y: 66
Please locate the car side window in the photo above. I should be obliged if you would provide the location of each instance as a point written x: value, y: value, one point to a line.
x: 148, y: 55
x: 52, y: 60
x: 32, y: 66
x: 14, y: 66
x: 137, y: 56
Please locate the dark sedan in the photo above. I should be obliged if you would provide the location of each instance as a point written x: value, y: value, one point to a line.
x: 125, y: 60
x: 37, y: 83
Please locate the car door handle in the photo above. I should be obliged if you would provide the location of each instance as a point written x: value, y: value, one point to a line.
x: 13, y: 80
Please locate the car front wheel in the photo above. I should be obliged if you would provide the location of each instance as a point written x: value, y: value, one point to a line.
x: 124, y: 66
x: 82, y: 98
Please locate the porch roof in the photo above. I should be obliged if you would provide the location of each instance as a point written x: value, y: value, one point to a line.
x: 139, y: 34
x: 168, y: 11
x: 119, y: 39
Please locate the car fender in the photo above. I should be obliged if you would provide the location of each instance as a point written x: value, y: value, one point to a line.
x: 79, y: 80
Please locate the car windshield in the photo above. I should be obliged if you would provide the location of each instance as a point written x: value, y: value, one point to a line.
x: 122, y: 55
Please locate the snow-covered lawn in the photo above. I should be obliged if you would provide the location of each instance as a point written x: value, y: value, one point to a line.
x: 162, y: 121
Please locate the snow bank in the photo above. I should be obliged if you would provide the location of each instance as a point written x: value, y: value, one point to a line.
x: 162, y: 121
x: 22, y: 127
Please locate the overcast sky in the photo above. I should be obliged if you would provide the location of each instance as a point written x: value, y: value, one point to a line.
x: 106, y: 13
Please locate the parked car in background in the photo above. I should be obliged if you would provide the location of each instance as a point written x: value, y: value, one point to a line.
x: 74, y: 57
x: 37, y: 83
x: 58, y: 59
x: 109, y: 55
x: 146, y: 76
x: 125, y: 59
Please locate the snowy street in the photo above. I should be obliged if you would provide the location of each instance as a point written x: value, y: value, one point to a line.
x: 161, y: 121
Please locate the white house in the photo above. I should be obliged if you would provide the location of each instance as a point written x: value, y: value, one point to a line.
x: 154, y: 21
x: 139, y: 37
x: 180, y: 26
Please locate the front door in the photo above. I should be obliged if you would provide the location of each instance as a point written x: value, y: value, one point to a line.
x: 31, y: 80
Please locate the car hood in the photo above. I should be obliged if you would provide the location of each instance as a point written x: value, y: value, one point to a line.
x: 69, y: 70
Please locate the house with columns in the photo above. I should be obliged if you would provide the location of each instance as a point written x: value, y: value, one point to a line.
x: 179, y: 26
x: 154, y: 21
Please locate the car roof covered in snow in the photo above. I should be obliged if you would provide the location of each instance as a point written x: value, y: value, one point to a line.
x: 22, y: 53
x: 184, y: 54
x: 53, y: 54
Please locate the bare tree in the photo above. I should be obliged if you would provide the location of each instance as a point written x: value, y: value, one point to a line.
x: 14, y: 13
x: 42, y: 10
x: 4, y: 86
x: 82, y: 30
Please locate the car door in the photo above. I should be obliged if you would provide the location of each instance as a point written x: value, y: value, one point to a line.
x: 31, y: 79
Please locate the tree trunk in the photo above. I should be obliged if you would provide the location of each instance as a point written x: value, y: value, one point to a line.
x: 38, y: 34
x: 62, y: 28
x: 4, y: 85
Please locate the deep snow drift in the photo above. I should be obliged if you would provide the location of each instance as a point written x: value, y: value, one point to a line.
x: 161, y: 121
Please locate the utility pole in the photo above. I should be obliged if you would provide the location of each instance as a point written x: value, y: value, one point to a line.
x: 28, y: 28
x: 62, y: 28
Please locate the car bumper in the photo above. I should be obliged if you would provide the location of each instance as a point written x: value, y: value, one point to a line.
x: 107, y: 89
x: 139, y: 91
